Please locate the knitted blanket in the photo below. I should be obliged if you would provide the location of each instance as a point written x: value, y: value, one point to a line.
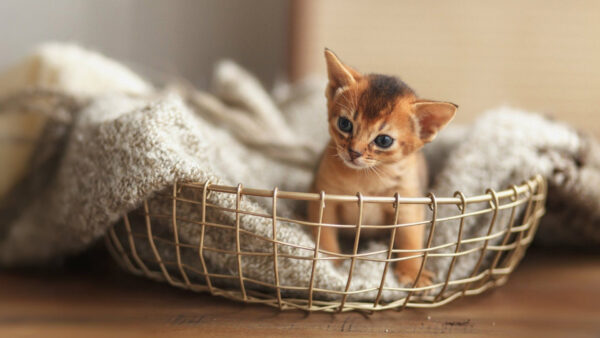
x: 103, y: 152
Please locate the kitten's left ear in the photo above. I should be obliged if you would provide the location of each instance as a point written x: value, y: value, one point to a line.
x: 432, y: 116
x: 340, y: 75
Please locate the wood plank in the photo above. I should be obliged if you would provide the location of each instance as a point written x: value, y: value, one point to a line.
x: 549, y: 294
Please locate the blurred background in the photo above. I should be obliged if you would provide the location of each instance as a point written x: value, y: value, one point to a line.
x: 157, y: 38
x: 537, y: 55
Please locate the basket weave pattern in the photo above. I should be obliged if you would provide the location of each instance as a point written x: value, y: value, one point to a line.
x: 506, y: 247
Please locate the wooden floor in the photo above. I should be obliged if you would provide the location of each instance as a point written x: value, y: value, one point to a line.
x: 550, y: 294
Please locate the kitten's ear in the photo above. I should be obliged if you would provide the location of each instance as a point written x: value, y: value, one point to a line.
x: 432, y: 116
x: 339, y: 74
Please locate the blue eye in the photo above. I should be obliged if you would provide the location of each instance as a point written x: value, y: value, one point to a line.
x: 344, y: 124
x: 384, y: 141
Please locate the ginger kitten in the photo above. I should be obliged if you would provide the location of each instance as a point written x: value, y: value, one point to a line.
x: 377, y: 127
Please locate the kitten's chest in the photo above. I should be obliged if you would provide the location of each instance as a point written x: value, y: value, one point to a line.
x: 369, y: 184
x: 373, y: 182
x: 373, y: 213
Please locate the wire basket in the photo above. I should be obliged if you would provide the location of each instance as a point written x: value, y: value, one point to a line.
x: 524, y: 203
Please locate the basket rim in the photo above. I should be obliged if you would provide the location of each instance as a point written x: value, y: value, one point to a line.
x: 527, y: 186
x: 534, y: 190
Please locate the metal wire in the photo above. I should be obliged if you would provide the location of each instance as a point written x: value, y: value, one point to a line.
x: 512, y: 243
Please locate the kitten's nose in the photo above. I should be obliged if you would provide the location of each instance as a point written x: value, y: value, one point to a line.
x: 354, y: 154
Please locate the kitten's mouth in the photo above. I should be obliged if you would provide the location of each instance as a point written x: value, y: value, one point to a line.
x: 357, y: 163
x: 354, y: 165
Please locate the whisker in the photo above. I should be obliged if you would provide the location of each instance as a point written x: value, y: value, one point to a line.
x: 350, y: 103
x: 348, y: 108
x: 377, y: 173
x: 355, y: 96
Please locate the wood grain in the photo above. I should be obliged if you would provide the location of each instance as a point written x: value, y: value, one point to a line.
x: 550, y: 294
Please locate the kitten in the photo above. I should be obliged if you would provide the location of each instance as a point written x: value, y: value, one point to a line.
x: 377, y: 127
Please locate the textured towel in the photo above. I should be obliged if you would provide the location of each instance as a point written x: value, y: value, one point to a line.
x: 116, y: 149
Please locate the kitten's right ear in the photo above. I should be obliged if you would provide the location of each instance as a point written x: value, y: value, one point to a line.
x: 432, y: 116
x: 339, y: 74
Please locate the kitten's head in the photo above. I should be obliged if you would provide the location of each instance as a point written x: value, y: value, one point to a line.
x: 376, y: 119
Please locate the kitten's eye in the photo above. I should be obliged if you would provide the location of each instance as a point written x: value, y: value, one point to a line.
x: 384, y: 141
x: 344, y: 124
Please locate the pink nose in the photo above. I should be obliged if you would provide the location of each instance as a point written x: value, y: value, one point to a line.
x: 354, y: 154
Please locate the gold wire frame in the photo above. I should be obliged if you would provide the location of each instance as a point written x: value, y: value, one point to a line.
x: 505, y: 256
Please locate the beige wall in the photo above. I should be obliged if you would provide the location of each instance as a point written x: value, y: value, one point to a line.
x: 160, y: 38
x: 539, y: 55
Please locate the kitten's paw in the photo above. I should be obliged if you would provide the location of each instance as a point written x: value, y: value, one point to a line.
x: 407, y: 276
x: 338, y: 262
